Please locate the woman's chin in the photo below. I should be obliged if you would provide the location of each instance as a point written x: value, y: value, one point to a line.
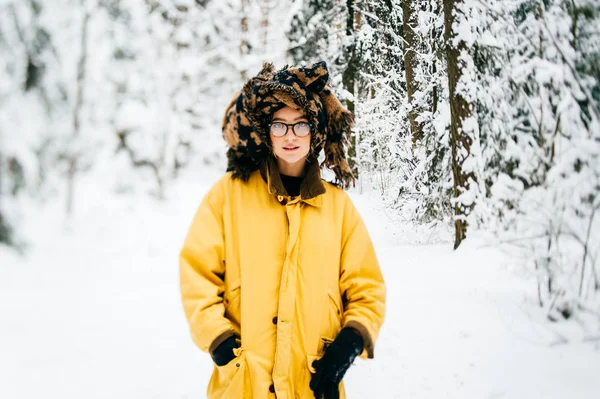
x: 290, y: 160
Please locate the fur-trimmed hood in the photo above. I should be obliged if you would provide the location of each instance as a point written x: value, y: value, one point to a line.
x: 305, y: 89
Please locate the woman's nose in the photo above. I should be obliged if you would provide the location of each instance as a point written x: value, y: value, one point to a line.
x: 289, y: 134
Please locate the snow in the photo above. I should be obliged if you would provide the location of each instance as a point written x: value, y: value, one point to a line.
x: 93, y: 310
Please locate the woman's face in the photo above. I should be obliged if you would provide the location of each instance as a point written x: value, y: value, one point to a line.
x: 291, y: 150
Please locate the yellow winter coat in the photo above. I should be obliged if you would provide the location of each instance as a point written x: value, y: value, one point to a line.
x: 285, y: 275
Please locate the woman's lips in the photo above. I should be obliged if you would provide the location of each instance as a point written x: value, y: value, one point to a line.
x: 290, y: 148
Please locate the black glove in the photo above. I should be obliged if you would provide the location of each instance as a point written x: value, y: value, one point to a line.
x: 330, y: 369
x: 223, y: 353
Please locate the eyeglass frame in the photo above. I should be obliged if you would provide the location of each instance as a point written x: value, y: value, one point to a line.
x: 293, y: 125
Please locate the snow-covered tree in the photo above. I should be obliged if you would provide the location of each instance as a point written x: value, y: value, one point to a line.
x: 539, y: 118
x: 40, y: 45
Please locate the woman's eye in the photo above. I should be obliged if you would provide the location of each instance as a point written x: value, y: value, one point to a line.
x: 302, y: 124
x: 277, y: 125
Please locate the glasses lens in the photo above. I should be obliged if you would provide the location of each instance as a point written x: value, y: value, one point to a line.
x: 278, y: 129
x: 302, y: 129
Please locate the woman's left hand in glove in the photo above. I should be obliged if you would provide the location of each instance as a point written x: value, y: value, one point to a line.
x: 330, y: 369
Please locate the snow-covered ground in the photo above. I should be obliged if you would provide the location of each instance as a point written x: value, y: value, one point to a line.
x: 93, y: 311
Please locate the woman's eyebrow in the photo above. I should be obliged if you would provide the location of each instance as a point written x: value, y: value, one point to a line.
x: 294, y: 120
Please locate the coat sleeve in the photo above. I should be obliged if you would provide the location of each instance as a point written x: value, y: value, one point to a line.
x: 361, y: 281
x: 202, y: 272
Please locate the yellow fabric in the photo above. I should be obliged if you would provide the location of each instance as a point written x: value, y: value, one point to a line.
x: 249, y: 259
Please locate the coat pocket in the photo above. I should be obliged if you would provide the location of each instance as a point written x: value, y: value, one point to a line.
x: 333, y: 319
x: 228, y: 381
x: 335, y: 306
x: 232, y: 299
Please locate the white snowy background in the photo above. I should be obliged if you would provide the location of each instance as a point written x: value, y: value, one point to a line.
x: 114, y: 107
x: 93, y: 311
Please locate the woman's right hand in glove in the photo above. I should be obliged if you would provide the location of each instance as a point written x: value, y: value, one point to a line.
x: 223, y: 353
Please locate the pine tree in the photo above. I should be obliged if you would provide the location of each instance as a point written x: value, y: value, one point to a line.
x: 312, y: 32
x: 411, y: 174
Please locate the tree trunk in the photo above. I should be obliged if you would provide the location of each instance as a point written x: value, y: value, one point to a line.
x: 349, y: 80
x: 4, y: 228
x: 460, y: 110
x: 434, y: 49
x: 73, y: 157
x: 244, y: 46
x: 409, y: 20
x: 264, y: 24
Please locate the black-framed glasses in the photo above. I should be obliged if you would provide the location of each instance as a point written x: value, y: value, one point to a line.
x: 280, y: 129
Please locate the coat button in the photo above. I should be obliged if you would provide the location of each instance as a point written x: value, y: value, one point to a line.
x: 275, y: 320
x: 272, y: 388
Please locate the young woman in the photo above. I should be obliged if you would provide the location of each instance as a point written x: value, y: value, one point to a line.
x: 279, y: 279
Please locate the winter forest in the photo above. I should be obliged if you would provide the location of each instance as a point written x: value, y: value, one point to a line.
x: 477, y: 152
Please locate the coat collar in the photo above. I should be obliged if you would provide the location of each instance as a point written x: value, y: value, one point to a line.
x: 310, y: 190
